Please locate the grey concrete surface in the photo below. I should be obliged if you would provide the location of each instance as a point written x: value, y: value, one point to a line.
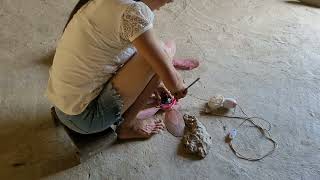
x: 266, y: 54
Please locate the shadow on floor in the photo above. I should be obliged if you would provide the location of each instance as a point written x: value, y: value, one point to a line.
x: 47, y: 59
x: 88, y: 144
x: 299, y: 3
x: 30, y: 150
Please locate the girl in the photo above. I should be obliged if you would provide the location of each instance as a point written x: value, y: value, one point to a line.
x: 107, y: 64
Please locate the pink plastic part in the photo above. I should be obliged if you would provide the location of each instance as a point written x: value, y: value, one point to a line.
x: 185, y: 64
x: 168, y: 106
x: 173, y: 119
x: 174, y: 123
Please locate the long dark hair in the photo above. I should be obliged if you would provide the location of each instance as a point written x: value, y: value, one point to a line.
x: 78, y: 6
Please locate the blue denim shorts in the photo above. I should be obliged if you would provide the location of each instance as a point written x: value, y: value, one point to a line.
x: 100, y: 114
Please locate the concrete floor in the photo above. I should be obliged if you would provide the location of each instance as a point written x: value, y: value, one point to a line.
x: 266, y: 54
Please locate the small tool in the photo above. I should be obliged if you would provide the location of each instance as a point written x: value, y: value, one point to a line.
x: 193, y: 83
x: 189, y: 86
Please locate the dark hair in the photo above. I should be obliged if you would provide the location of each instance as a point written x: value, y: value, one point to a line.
x: 78, y: 6
x: 75, y: 10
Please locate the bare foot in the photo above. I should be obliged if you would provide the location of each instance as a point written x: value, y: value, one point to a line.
x: 140, y: 129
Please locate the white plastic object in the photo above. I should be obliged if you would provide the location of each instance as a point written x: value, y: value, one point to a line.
x: 219, y: 101
x: 215, y: 102
x: 229, y: 103
x: 232, y: 133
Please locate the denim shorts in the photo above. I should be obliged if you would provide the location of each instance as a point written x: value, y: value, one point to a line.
x: 100, y: 114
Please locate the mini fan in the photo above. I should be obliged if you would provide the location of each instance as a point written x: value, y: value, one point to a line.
x: 173, y: 118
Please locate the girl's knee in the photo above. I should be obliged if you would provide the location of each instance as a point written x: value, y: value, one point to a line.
x: 169, y: 47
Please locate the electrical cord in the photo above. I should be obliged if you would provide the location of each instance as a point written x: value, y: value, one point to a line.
x: 265, y: 132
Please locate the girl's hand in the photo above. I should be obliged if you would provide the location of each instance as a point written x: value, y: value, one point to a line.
x: 162, y: 92
x: 180, y: 90
x: 181, y: 94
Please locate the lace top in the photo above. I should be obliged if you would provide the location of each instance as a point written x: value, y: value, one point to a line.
x: 136, y: 19
x: 94, y: 45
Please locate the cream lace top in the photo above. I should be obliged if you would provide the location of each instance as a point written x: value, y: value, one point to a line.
x: 96, y: 43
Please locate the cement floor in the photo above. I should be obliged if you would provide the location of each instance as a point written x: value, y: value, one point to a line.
x: 266, y: 54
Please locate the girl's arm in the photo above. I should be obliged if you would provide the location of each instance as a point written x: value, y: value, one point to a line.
x: 150, y: 49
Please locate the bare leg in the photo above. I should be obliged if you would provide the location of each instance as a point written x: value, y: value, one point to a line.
x: 170, y: 47
x: 137, y: 128
x: 135, y: 82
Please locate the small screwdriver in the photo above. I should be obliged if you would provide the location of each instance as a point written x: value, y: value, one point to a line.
x: 189, y: 85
